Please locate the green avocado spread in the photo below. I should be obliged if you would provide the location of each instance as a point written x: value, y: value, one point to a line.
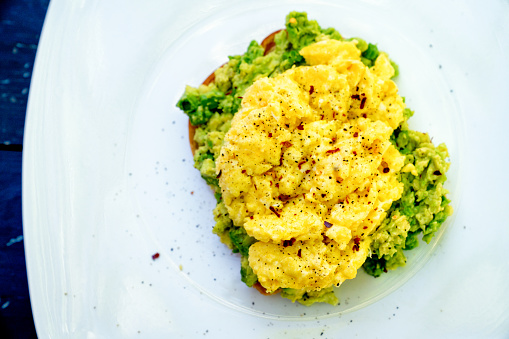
x: 211, y: 107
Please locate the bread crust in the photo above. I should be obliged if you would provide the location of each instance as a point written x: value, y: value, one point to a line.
x: 268, y: 44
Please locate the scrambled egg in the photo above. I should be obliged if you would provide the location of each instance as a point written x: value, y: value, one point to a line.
x: 307, y: 167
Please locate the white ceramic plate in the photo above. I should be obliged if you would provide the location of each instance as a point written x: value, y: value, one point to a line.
x: 108, y: 179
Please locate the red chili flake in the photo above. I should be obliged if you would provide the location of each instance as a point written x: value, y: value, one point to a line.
x: 155, y: 256
x: 308, y: 171
x: 284, y: 197
x: 332, y: 151
x: 277, y: 184
x: 333, y: 115
x: 356, y: 97
x: 364, y: 115
x: 271, y: 183
x: 346, y: 199
x: 333, y: 139
x: 356, y: 241
x: 365, y: 227
x: 240, y: 97
x: 270, y: 135
x: 286, y: 144
x: 301, y: 163
x: 192, y: 192
x: 386, y: 170
x: 327, y: 224
x: 354, y: 153
x: 219, y: 175
x: 299, y: 253
x: 251, y: 217
x: 355, y: 135
x: 273, y: 210
x: 287, y: 243
x: 229, y: 92
x: 321, y: 117
x: 363, y: 102
x: 437, y: 172
x: 243, y: 171
x: 311, y: 89
x: 300, y: 127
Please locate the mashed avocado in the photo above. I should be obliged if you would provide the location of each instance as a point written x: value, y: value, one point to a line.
x: 420, y: 204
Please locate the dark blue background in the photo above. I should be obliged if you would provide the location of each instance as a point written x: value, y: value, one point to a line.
x: 20, y: 27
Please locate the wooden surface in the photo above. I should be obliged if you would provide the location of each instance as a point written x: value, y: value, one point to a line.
x: 20, y: 27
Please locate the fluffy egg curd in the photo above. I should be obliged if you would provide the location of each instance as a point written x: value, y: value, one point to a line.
x: 307, y: 167
x: 305, y: 143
